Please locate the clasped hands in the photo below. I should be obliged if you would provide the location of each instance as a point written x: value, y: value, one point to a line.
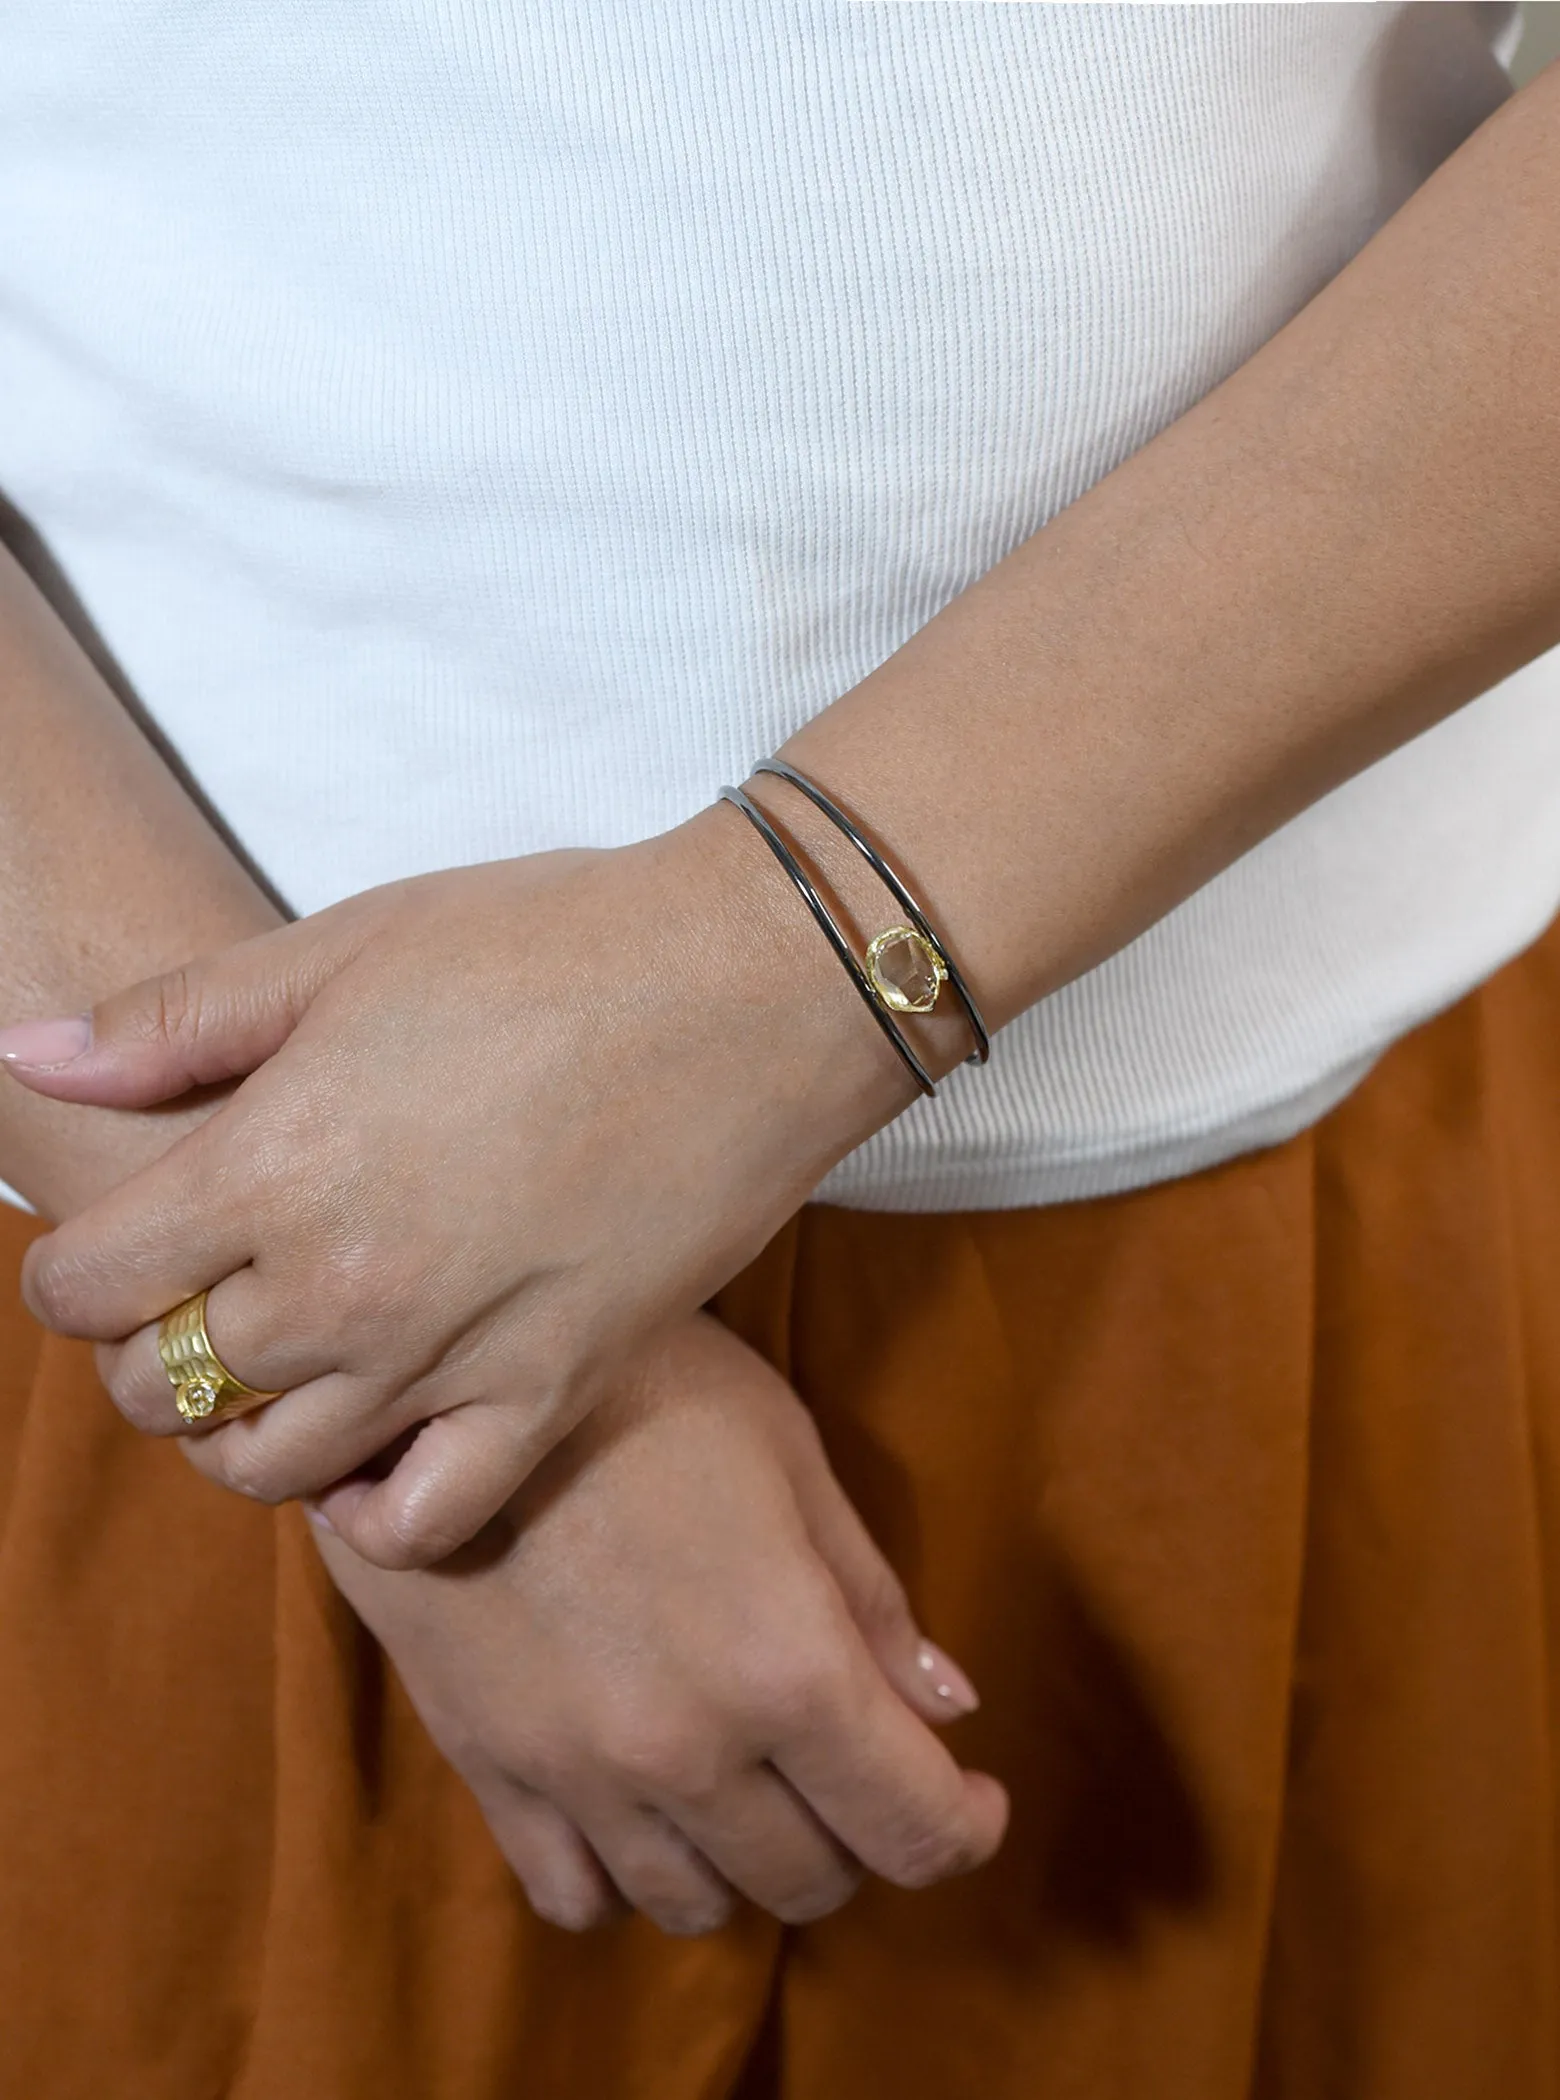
x: 500, y: 1132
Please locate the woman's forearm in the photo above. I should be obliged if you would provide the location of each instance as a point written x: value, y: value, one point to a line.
x: 107, y: 871
x: 1352, y: 536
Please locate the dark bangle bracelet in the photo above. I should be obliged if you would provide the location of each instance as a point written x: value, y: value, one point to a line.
x: 807, y: 890
x: 919, y: 922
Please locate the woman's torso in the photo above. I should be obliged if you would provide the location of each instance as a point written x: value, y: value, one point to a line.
x: 479, y: 428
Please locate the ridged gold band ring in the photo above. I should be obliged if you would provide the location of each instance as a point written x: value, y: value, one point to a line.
x: 204, y: 1389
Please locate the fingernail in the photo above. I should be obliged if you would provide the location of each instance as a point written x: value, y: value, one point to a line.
x: 318, y: 1518
x: 948, y: 1680
x: 41, y: 1045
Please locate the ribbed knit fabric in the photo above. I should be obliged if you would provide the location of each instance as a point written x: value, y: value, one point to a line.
x: 478, y: 427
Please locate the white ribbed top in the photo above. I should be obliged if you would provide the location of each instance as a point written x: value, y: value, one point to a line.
x: 479, y: 427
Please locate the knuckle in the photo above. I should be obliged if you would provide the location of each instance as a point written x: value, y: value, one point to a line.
x: 474, y: 1746
x: 264, y: 1173
x: 413, y: 1537
x: 571, y: 1910
x: 662, y: 1761
x: 931, y: 1853
x: 883, y: 1605
x: 344, y: 1278
x: 661, y: 1875
x: 239, y: 1465
x: 794, y: 1690
x: 53, y: 1292
x: 545, y: 1764
x: 141, y: 1407
x: 691, y: 1917
x: 560, y: 1890
x: 363, y: 1290
x: 805, y: 1905
x: 175, y: 1006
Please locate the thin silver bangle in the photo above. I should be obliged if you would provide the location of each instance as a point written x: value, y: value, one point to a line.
x: 807, y: 890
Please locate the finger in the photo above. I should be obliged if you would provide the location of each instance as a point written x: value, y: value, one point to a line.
x: 152, y: 1242
x: 657, y: 1870
x: 563, y: 1880
x: 763, y: 1839
x: 242, y: 1328
x: 921, y: 1672
x: 458, y: 1473
x: 208, y: 1021
x: 877, y: 1777
x: 311, y: 1436
x: 299, y: 1447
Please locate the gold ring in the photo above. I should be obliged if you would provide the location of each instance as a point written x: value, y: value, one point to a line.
x: 204, y: 1389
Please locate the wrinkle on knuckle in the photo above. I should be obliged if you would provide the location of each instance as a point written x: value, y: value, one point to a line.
x: 794, y: 1692
x: 342, y: 1277
x: 930, y: 1853
x: 883, y: 1604
x: 659, y: 1872
x: 542, y: 1763
x: 660, y: 1761
x: 504, y: 1745
x: 262, y: 1172
x: 410, y: 1538
x: 240, y: 1466
x: 360, y: 1291
x: 175, y: 1012
x: 53, y: 1291
x: 143, y: 1409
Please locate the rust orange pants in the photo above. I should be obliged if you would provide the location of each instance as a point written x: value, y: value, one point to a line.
x: 1240, y: 1497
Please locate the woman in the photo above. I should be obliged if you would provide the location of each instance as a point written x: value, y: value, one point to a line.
x: 488, y: 434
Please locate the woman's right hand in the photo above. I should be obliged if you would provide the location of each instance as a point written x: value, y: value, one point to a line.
x: 678, y: 1668
x: 502, y: 1124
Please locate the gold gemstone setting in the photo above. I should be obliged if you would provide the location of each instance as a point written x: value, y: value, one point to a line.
x: 905, y: 970
x: 196, y: 1398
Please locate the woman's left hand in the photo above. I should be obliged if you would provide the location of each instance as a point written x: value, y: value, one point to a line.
x: 503, y: 1123
x: 677, y: 1666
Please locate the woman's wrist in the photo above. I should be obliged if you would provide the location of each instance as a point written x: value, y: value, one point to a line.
x: 759, y: 973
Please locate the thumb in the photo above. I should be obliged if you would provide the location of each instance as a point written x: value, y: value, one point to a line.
x: 207, y: 1021
x: 928, y: 1680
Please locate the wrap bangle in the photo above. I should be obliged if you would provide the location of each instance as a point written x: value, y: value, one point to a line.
x: 808, y: 892
x: 896, y: 883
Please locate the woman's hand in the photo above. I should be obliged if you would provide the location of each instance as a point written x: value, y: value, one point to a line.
x: 677, y: 1666
x: 507, y: 1121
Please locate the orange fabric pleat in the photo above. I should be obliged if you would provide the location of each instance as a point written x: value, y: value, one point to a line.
x: 1239, y: 1498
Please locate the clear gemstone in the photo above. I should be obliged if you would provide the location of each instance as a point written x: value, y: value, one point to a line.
x: 197, y: 1397
x: 906, y: 970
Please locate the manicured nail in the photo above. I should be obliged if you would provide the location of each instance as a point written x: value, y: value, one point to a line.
x: 948, y: 1680
x: 41, y: 1045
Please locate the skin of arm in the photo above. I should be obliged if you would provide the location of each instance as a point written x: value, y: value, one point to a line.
x: 105, y: 865
x: 1348, y: 539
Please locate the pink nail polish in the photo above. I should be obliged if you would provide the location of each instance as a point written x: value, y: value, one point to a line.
x: 949, y: 1682
x: 42, y: 1045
